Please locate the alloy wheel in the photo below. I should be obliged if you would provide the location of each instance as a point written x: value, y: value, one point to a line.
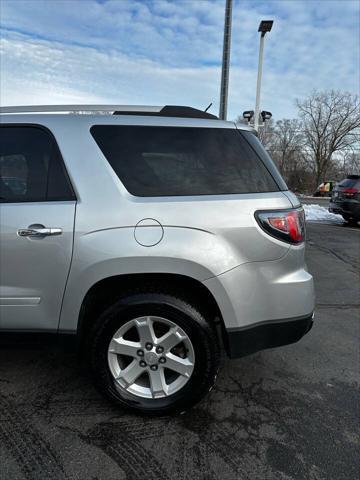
x: 151, y: 357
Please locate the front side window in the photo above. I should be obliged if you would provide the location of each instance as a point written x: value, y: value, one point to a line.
x: 31, y: 169
x: 176, y: 161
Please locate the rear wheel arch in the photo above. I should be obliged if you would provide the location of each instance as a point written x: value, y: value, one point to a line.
x: 106, y: 292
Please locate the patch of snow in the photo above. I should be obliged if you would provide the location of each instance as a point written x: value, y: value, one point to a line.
x: 316, y: 213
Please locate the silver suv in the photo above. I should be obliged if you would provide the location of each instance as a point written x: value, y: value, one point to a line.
x: 154, y: 236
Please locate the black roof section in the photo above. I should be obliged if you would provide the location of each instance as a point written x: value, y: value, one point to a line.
x: 172, y: 111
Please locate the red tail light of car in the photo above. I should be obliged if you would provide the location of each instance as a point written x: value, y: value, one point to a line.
x: 285, y: 225
x: 350, y: 192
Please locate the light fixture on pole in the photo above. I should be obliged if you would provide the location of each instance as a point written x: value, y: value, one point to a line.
x: 264, y: 27
x: 248, y: 115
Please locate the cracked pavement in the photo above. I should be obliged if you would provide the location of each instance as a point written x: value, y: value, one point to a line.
x: 288, y: 413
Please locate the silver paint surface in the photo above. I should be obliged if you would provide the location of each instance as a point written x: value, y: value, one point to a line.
x: 213, y: 239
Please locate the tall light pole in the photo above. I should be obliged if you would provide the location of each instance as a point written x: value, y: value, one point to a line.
x: 225, y: 61
x: 264, y: 27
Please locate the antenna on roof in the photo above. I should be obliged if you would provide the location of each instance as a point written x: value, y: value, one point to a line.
x: 207, y: 108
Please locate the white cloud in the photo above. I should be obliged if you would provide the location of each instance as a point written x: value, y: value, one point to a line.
x: 47, y: 72
x: 167, y: 52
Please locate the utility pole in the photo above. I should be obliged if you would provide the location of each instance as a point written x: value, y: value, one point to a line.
x: 225, y: 61
x: 265, y: 26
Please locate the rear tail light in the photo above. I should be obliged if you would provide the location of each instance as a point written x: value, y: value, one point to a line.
x: 350, y: 192
x: 286, y: 225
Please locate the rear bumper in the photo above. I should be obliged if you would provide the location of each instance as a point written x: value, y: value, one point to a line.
x: 345, y: 208
x: 244, y: 341
x: 260, y: 292
x: 265, y: 304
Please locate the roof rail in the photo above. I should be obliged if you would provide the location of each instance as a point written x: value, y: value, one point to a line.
x: 166, y: 111
x: 79, y: 108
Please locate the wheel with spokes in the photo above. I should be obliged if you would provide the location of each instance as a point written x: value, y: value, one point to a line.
x: 154, y: 352
x: 151, y: 357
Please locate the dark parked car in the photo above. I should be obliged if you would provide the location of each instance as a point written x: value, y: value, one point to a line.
x: 345, y: 199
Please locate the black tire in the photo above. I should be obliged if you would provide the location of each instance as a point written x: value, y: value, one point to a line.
x: 201, y: 333
x: 351, y: 220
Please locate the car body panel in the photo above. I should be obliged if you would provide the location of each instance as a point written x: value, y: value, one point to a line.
x: 189, y: 251
x: 258, y: 292
x: 293, y: 198
x: 34, y: 271
x: 213, y: 239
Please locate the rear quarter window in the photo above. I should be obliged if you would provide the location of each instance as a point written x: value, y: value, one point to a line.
x: 349, y: 183
x: 178, y: 161
x: 265, y: 157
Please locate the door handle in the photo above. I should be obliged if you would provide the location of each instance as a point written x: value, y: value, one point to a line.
x: 39, y: 232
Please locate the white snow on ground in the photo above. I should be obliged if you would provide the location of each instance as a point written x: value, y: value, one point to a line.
x: 316, y: 213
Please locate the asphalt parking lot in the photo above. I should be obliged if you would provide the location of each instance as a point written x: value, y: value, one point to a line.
x: 289, y: 413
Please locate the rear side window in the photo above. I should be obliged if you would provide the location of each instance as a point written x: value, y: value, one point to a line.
x: 31, y: 168
x: 175, y: 161
x: 350, y: 183
x: 265, y: 157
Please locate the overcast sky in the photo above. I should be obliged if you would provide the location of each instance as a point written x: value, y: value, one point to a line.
x: 169, y: 52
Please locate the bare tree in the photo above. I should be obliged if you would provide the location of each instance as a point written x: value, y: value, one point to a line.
x: 287, y: 143
x: 330, y: 120
x: 266, y: 134
x: 352, y: 163
x: 347, y: 163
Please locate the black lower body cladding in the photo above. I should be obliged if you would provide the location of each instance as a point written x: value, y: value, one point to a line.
x: 240, y: 342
